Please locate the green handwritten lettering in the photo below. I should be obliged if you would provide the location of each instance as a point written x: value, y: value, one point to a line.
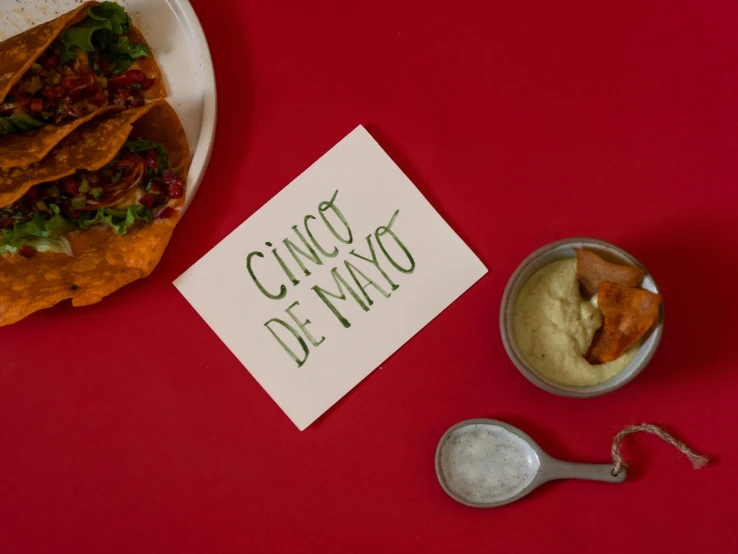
x: 303, y: 325
x: 325, y: 206
x: 294, y: 250
x: 373, y: 260
x: 285, y: 268
x: 315, y: 241
x: 353, y: 270
x: 341, y: 295
x: 282, y: 289
x: 387, y: 230
x: 299, y: 360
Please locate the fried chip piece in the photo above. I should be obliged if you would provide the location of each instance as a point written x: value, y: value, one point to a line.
x: 21, y: 149
x: 628, y: 314
x: 18, y: 53
x: 103, y: 261
x: 593, y: 270
x: 90, y: 147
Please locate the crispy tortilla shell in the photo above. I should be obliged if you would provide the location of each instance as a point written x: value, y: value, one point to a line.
x: 103, y: 261
x: 628, y: 314
x: 18, y: 150
x: 90, y: 147
x: 18, y: 53
x: 593, y: 270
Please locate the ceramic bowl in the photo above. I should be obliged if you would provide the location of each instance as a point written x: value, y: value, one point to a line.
x: 544, y: 256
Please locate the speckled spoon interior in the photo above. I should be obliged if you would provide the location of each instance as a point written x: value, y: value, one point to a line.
x: 532, y: 460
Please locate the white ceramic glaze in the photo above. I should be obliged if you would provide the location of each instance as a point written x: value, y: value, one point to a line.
x: 487, y: 463
x: 501, y: 464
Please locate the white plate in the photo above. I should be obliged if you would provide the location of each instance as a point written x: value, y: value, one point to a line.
x: 174, y: 33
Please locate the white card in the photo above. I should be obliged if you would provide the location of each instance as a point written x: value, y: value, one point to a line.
x: 352, y: 226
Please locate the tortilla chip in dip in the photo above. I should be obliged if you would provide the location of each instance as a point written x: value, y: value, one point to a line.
x: 101, y: 226
x: 56, y: 76
x: 628, y: 314
x: 593, y: 270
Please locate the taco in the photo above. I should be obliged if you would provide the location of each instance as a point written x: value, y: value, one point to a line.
x: 56, y: 76
x: 93, y: 219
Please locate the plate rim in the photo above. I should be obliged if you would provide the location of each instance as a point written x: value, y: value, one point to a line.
x: 203, y: 150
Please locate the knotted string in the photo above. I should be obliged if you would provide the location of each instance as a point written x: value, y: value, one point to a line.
x: 697, y: 460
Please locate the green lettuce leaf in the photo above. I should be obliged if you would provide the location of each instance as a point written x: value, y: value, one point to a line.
x: 111, y: 13
x: 119, y: 220
x: 58, y: 245
x: 121, y: 54
x: 38, y: 232
x: 19, y: 122
x: 39, y: 226
x: 118, y: 63
x: 142, y: 145
x: 104, y: 23
x: 43, y: 233
x: 133, y: 51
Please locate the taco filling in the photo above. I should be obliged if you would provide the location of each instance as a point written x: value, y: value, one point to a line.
x: 85, y: 68
x: 135, y: 185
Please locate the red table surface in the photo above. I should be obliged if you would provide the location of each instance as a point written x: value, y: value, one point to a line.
x: 129, y: 427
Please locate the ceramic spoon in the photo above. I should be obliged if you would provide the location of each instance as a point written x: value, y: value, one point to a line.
x: 485, y: 463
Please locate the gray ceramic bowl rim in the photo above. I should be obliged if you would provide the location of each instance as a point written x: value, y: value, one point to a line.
x: 650, y: 343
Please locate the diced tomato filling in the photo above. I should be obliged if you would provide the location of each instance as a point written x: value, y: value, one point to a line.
x: 129, y: 180
x: 51, y: 62
x: 175, y: 190
x: 128, y: 78
x: 55, y: 92
x: 147, y: 201
x: 166, y: 213
x: 27, y: 251
x: 70, y: 185
x: 152, y: 159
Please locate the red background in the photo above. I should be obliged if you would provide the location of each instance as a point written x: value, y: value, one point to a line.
x: 129, y: 427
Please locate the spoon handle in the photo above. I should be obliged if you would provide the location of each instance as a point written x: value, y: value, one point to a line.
x: 560, y: 469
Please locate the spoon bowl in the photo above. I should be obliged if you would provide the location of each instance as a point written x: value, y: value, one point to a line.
x: 485, y: 463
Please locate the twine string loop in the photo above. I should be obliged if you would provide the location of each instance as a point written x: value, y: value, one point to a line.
x: 698, y: 461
